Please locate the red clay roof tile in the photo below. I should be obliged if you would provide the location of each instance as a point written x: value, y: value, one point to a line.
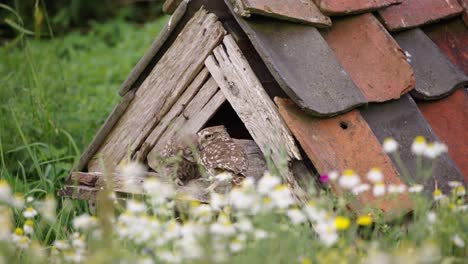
x: 452, y: 38
x: 449, y: 119
x: 293, y: 10
x: 334, y: 7
x: 413, y: 13
x: 371, y: 57
x: 340, y: 143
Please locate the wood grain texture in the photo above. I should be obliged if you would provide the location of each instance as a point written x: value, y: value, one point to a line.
x: 170, y: 6
x: 345, y: 142
x: 103, y: 132
x: 371, y: 57
x: 292, y: 10
x: 304, y: 66
x: 163, y: 86
x: 436, y: 75
x: 449, y: 119
x: 341, y: 7
x: 247, y: 97
x: 154, y: 49
x: 452, y: 38
x: 413, y: 13
x: 189, y: 121
x: 402, y: 120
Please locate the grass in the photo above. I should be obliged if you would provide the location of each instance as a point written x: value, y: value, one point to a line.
x: 56, y: 93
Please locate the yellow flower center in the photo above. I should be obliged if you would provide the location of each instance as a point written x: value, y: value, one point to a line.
x: 342, y: 223
x: 3, y: 183
x: 29, y: 222
x: 267, y: 200
x: 19, y: 231
x: 376, y: 169
x: 364, y: 220
x: 460, y: 189
x: 380, y: 184
x: 195, y: 203
x: 388, y: 140
x: 281, y: 187
x: 29, y: 209
x: 420, y: 139
x: 348, y: 172
x: 437, y: 192
x: 306, y: 261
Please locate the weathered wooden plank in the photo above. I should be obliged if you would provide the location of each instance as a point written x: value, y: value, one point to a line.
x: 170, y: 6
x: 292, y: 10
x: 452, y: 38
x: 333, y: 7
x: 402, y: 120
x: 79, y: 192
x: 101, y: 135
x: 371, y: 57
x: 436, y: 75
x: 345, y: 142
x: 247, y: 97
x: 154, y: 48
x: 161, y: 89
x: 177, y: 109
x: 189, y: 121
x: 449, y: 119
x: 303, y: 65
x: 413, y: 13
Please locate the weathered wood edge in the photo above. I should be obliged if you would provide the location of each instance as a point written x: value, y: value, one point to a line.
x: 154, y: 48
x: 170, y: 6
x: 103, y: 132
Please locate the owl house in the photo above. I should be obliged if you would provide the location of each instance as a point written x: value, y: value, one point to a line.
x: 290, y: 85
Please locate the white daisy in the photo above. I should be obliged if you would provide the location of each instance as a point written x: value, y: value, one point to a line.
x: 419, y: 145
x: 379, y: 189
x: 375, y: 175
x: 390, y: 145
x: 349, y: 179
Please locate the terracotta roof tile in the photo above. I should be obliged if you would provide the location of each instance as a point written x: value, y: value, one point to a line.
x: 402, y: 120
x: 340, y: 143
x: 334, y: 7
x: 436, y: 75
x: 293, y: 10
x: 371, y: 57
x: 413, y: 13
x: 304, y: 65
x: 452, y: 38
x: 449, y: 119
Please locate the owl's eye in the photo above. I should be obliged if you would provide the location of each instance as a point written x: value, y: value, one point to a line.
x: 209, y: 136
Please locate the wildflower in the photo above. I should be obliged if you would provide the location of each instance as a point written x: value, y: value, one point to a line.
x: 47, y: 208
x: 23, y: 242
x: 61, y: 244
x: 28, y: 227
x: 333, y: 175
x: 417, y: 188
x: 244, y: 225
x: 223, y: 177
x: 73, y: 256
x: 217, y: 201
x: 454, y: 184
x: 169, y: 257
x: 29, y: 199
x: 419, y: 145
x: 393, y: 188
x: 390, y: 145
x: 431, y: 217
x: 458, y: 241
x: 379, y: 189
x: 364, y: 220
x: 5, y: 191
x: 136, y: 206
x: 296, y: 216
x: 224, y: 228
x: 242, y: 199
x: 342, y: 223
x: 327, y: 232
x: 78, y: 241
x: 324, y: 178
x: 17, y: 234
x: 363, y: 187
x: 237, y: 244
x: 430, y: 152
x: 375, y: 175
x: 267, y: 183
x: 437, y: 194
x: 84, y: 222
x: 349, y: 179
x: 260, y: 234
x: 281, y: 197
x: 131, y: 169
x: 189, y: 247
x: 29, y: 212
x: 202, y: 212
x: 18, y: 201
x: 460, y: 191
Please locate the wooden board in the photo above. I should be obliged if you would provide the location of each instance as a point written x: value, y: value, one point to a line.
x: 449, y: 119
x: 292, y: 10
x: 413, y: 13
x: 340, y: 143
x: 303, y: 65
x: 254, y: 107
x: 436, y: 75
x: 333, y: 7
x: 189, y: 121
x: 153, y: 50
x: 402, y: 120
x: 452, y: 38
x: 163, y: 86
x: 371, y: 57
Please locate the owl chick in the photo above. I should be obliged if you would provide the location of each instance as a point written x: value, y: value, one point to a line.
x: 220, y: 154
x: 179, y: 156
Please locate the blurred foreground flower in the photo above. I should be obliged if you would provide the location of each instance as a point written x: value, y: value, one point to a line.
x: 390, y: 145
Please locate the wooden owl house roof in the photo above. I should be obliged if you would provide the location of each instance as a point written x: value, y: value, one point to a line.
x: 337, y: 76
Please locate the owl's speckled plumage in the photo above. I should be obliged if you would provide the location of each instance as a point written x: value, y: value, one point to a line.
x: 219, y: 153
x: 179, y: 154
